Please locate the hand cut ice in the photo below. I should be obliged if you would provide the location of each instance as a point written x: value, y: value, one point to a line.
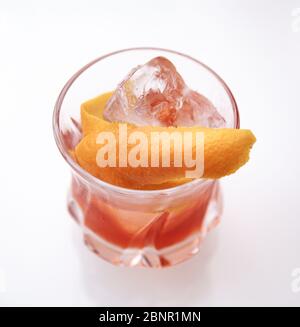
x: 155, y: 94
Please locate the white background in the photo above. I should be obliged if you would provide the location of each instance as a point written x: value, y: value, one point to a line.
x: 250, y: 257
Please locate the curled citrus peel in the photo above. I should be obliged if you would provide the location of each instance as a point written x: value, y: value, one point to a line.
x: 91, y: 114
x: 225, y: 151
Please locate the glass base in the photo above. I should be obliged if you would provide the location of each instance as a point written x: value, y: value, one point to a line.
x: 149, y: 256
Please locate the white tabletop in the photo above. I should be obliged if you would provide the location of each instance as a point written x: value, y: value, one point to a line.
x: 251, y: 257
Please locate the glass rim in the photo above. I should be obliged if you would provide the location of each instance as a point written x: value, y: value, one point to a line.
x: 94, y: 180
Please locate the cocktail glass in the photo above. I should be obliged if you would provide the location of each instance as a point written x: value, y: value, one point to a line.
x: 151, y: 228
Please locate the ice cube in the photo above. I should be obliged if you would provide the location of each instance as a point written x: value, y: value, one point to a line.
x: 155, y: 94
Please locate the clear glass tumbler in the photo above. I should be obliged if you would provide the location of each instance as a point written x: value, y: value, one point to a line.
x: 153, y: 228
